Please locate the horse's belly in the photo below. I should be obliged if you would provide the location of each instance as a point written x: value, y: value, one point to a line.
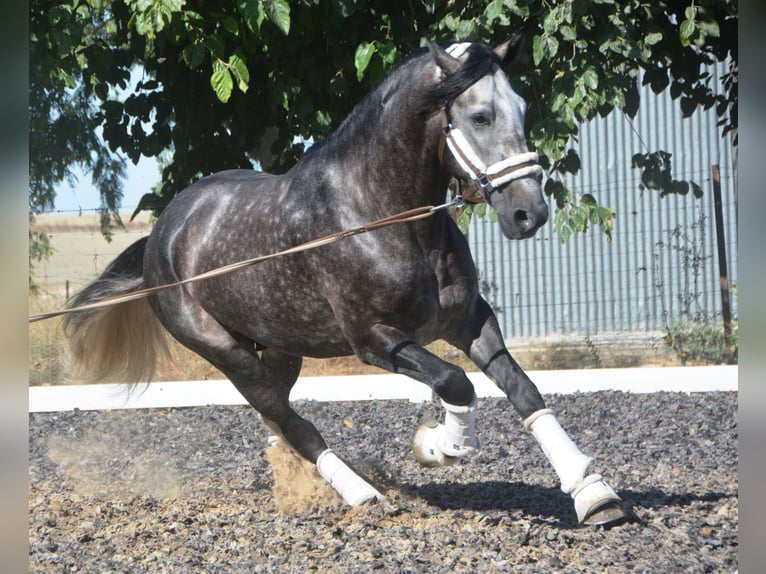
x: 297, y: 322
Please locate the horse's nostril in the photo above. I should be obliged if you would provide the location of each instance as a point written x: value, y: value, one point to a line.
x: 522, y: 218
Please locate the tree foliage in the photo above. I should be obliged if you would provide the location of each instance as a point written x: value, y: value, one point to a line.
x: 234, y: 84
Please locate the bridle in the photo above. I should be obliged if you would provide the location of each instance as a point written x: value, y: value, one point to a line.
x: 483, y: 178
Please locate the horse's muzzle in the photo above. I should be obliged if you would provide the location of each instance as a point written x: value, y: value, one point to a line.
x: 528, y: 221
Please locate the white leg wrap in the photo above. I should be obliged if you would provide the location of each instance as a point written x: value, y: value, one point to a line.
x: 458, y: 437
x: 595, y: 501
x: 353, y: 488
x: 563, y: 454
x: 444, y: 444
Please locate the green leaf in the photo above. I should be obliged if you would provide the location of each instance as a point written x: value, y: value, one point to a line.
x: 494, y: 11
x: 570, y: 163
x: 466, y: 29
x: 464, y: 220
x: 537, y: 50
x: 605, y: 215
x: 551, y: 46
x: 387, y: 52
x: 345, y: 8
x: 688, y: 105
x: 278, y: 11
x: 194, y: 55
x: 561, y: 225
x: 652, y: 178
x: 696, y: 190
x: 590, y: 78
x: 238, y: 67
x: 710, y: 28
x: 556, y: 189
x: 231, y: 24
x: 362, y: 57
x: 588, y: 200
x: 653, y: 38
x: 686, y: 31
x: 221, y: 82
x: 216, y: 45
x: 148, y: 202
x: 253, y: 13
x: 679, y: 187
x: 578, y: 216
x: 558, y: 101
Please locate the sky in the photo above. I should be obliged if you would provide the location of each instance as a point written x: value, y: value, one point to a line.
x: 139, y: 180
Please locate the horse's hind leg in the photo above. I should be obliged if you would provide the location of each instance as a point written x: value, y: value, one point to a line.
x: 265, y: 380
x: 281, y: 370
x: 595, y: 501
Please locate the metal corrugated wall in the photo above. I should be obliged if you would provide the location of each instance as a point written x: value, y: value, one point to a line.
x: 662, y: 264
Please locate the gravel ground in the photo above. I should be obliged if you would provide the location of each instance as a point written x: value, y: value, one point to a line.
x: 193, y: 490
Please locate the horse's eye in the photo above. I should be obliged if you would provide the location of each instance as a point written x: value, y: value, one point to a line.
x: 480, y: 119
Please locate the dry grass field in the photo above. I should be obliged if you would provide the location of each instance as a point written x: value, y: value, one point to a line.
x: 80, y: 253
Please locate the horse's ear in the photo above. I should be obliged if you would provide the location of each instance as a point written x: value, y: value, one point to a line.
x: 507, y: 51
x: 444, y: 60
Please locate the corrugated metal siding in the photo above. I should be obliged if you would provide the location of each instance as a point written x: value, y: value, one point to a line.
x: 662, y: 264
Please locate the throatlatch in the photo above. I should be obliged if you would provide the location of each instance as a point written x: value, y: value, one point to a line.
x: 444, y: 444
x: 595, y: 501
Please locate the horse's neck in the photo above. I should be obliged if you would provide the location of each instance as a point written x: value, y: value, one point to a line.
x: 402, y: 160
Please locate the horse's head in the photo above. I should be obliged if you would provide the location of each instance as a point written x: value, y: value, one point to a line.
x: 484, y: 120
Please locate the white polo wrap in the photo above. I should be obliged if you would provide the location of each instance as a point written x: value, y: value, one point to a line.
x: 353, y: 488
x: 567, y: 460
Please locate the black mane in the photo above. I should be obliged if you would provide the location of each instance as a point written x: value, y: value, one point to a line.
x: 479, y: 62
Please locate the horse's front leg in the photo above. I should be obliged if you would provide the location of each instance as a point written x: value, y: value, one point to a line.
x: 595, y: 501
x: 434, y: 444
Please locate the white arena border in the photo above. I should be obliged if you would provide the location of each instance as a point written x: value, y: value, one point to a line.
x: 377, y: 387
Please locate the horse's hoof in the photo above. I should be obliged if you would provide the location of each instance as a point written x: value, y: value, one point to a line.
x: 424, y: 445
x: 596, y: 503
x: 609, y: 512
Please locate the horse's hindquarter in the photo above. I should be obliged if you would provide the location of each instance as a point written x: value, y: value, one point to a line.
x: 224, y: 218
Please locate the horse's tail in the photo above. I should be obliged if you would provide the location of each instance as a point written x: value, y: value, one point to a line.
x: 121, y: 343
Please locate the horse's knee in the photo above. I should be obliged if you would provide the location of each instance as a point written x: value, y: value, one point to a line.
x: 453, y: 387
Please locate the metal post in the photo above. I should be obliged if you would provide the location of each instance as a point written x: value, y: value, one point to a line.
x: 723, y: 272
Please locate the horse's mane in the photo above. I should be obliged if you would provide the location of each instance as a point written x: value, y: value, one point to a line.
x: 478, y: 63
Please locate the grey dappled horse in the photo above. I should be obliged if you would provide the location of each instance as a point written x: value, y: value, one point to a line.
x: 380, y: 296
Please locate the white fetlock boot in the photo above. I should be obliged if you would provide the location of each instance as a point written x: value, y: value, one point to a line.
x: 595, y: 501
x: 352, y: 487
x: 444, y: 444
